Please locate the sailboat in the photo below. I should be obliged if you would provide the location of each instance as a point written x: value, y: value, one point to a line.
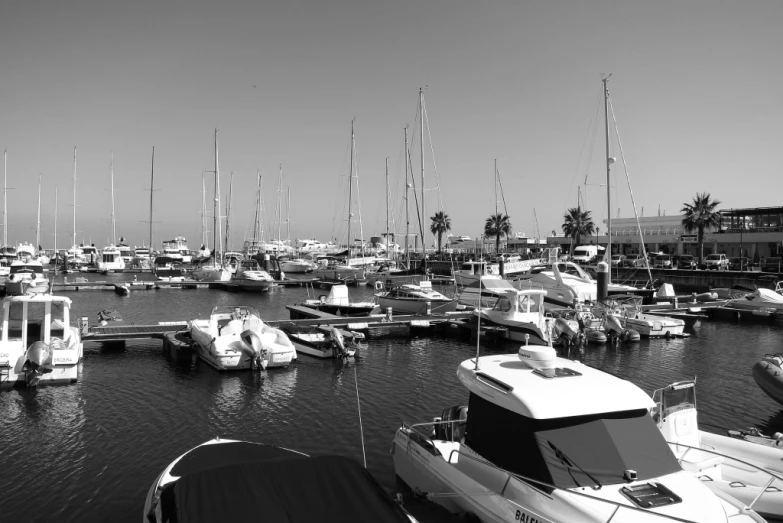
x: 212, y: 269
x: 40, y: 254
x: 335, y: 269
x: 143, y: 256
x: 111, y: 257
x: 7, y: 252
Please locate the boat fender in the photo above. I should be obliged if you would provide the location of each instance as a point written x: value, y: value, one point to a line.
x: 322, y: 298
x: 378, y: 286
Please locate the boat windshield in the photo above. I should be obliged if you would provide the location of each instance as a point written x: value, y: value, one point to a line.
x: 239, y: 310
x: 26, y: 269
x: 571, y: 452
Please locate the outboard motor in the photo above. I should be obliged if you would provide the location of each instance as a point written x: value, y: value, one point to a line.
x: 258, y: 351
x: 567, y: 330
x: 338, y: 341
x: 615, y: 330
x: 38, y: 361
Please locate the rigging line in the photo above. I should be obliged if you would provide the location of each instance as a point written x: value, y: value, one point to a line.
x: 502, y: 194
x: 630, y: 190
x: 337, y: 199
x: 591, y: 125
x: 359, y: 405
x: 441, y: 206
x: 416, y: 202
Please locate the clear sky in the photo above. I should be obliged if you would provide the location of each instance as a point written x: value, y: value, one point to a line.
x: 697, y: 90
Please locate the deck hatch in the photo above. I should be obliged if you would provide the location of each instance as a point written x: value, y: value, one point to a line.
x: 558, y: 372
x: 650, y: 495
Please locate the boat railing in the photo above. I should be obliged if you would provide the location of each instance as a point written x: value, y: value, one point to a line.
x: 425, y: 440
x: 767, y: 488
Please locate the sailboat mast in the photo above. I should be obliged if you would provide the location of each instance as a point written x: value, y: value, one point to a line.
x: 56, y: 255
x: 38, y: 226
x: 215, y: 208
x: 203, y: 211
x: 288, y: 217
x: 279, y: 204
x: 256, y: 225
x: 407, y: 214
x: 74, y: 195
x: 496, y: 186
x: 113, y: 222
x: 421, y: 146
x: 152, y: 187
x: 350, y: 193
x: 5, y: 197
x: 608, y: 180
x: 228, y: 208
x: 387, y: 208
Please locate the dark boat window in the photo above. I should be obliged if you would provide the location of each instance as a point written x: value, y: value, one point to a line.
x: 553, y: 451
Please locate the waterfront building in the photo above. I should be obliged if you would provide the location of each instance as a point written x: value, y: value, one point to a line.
x: 754, y: 232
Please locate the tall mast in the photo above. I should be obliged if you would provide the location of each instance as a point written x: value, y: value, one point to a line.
x: 152, y: 187
x: 421, y: 146
x: 113, y: 224
x: 203, y: 211
x: 55, y: 230
x: 228, y: 207
x: 608, y: 179
x: 387, y: 208
x: 38, y: 226
x: 74, y: 195
x: 288, y: 217
x: 279, y: 202
x: 216, y: 203
x: 256, y: 225
x: 407, y: 214
x: 350, y: 192
x: 5, y: 197
x: 496, y: 186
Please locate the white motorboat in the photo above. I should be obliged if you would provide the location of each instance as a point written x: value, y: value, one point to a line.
x: 749, y: 472
x: 339, y: 303
x: 90, y: 254
x: 332, y: 269
x: 472, y: 271
x: 391, y: 272
x: 5, y: 267
x: 209, y: 270
x: 311, y: 246
x: 142, y: 257
x: 111, y: 259
x: 761, y: 300
x: 230, y: 480
x: 552, y: 440
x: 171, y: 249
x: 168, y: 269
x: 125, y: 253
x: 566, y: 284
x: 323, y: 342
x: 26, y: 277
x: 484, y: 293
x: 251, y: 277
x: 295, y: 265
x: 411, y: 298
x: 521, y: 314
x: 25, y: 250
x: 626, y: 310
x: 235, y: 338
x: 38, y: 343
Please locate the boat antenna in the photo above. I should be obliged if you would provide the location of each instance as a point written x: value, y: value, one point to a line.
x: 359, y: 405
x: 478, y: 324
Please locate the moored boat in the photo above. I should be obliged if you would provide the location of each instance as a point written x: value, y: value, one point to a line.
x: 251, y: 277
x: 339, y: 303
x: 26, y: 277
x: 38, y: 344
x: 743, y: 470
x: 768, y: 374
x: 230, y: 480
x: 521, y: 314
x: 411, y: 298
x: 534, y: 445
x: 235, y: 338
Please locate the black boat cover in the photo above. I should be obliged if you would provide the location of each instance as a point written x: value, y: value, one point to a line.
x: 272, y: 485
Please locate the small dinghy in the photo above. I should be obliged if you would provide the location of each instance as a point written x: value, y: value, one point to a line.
x: 768, y: 374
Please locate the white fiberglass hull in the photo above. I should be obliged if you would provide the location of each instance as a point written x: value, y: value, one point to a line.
x: 464, y: 482
x: 225, y: 353
x: 415, y: 306
x: 295, y: 267
x: 26, y: 286
x: 66, y: 363
x: 651, y: 326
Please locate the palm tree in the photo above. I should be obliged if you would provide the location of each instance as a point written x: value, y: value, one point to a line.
x: 441, y: 223
x: 578, y: 223
x: 497, y: 225
x: 698, y: 216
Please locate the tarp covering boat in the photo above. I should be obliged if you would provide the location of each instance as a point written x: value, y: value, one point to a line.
x: 262, y: 483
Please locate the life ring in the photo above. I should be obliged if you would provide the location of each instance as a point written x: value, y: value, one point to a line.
x: 379, y: 285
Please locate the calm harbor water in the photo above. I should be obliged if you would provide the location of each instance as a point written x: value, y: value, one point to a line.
x: 89, y: 451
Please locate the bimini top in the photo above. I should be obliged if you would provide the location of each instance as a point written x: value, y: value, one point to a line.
x: 570, y: 389
x: 239, y: 481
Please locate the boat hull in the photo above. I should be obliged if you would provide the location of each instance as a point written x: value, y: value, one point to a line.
x: 227, y: 353
x: 769, y: 378
x: 341, y: 310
